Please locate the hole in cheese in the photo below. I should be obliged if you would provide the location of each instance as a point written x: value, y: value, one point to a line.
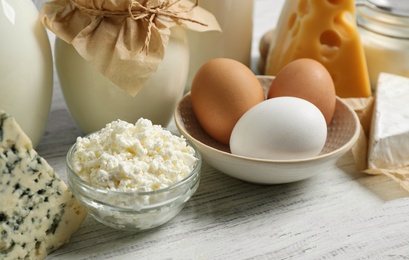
x: 335, y: 2
x: 304, y: 7
x: 330, y: 44
x: 291, y: 21
x: 344, y: 24
x: 296, y: 29
x: 331, y: 39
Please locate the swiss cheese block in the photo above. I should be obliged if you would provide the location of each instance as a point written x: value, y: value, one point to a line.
x: 389, y: 135
x: 38, y: 213
x: 324, y: 30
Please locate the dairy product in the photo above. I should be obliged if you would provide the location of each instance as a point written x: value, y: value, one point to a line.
x: 26, y: 67
x: 385, y: 57
x: 390, y: 126
x: 385, y: 37
x: 94, y: 100
x: 325, y: 31
x: 234, y: 42
x: 133, y: 157
x: 38, y: 213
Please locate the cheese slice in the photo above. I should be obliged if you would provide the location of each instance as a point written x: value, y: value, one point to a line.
x: 327, y: 32
x: 389, y: 135
x: 38, y: 213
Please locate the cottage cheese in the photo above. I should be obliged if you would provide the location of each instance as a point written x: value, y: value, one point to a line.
x: 133, y: 157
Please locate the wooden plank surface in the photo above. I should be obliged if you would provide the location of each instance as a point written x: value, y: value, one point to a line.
x: 338, y: 214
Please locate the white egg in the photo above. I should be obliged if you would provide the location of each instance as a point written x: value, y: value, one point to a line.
x: 282, y: 128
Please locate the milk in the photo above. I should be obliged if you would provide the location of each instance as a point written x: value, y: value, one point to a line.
x: 235, y: 17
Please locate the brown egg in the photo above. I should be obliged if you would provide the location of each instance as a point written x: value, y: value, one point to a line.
x: 307, y: 79
x: 221, y: 92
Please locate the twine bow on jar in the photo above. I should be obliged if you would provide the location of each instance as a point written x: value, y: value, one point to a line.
x: 112, y: 35
x: 137, y: 11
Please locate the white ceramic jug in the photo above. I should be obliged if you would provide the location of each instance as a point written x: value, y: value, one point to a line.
x: 26, y: 67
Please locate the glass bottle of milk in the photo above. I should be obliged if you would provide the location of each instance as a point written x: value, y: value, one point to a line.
x: 236, y: 21
x: 26, y: 67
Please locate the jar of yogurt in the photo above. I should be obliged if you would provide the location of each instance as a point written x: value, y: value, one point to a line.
x: 94, y: 101
x: 234, y: 41
x: 123, y: 59
x: 384, y: 29
x: 26, y: 68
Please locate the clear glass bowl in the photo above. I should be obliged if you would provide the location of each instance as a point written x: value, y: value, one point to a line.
x: 133, y: 211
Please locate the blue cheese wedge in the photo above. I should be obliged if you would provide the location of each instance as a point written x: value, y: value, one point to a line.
x: 389, y: 135
x: 38, y: 213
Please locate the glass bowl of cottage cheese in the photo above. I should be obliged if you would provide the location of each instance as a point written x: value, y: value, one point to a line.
x: 133, y: 176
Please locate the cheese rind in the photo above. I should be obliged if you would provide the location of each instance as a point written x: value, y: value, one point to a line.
x: 389, y: 134
x: 38, y: 213
x: 325, y: 31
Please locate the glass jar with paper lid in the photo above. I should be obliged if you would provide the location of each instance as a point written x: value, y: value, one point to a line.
x: 384, y: 30
x: 123, y: 59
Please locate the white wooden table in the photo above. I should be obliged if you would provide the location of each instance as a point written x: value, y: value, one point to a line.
x: 339, y: 214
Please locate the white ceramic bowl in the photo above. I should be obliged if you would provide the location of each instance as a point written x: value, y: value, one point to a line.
x: 133, y: 211
x: 343, y: 133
